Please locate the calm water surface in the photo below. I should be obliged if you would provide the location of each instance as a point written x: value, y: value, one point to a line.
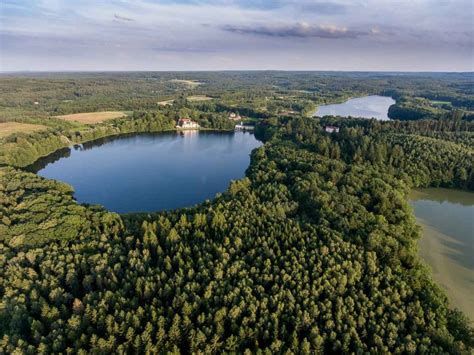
x: 151, y: 172
x: 447, y: 245
x: 374, y: 106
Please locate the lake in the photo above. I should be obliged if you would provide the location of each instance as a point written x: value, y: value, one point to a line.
x: 447, y: 245
x: 151, y: 172
x: 373, y: 106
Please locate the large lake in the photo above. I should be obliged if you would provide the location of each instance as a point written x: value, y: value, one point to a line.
x: 447, y: 244
x: 151, y: 172
x: 373, y: 106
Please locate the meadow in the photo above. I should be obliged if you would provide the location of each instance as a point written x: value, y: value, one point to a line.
x: 92, y: 117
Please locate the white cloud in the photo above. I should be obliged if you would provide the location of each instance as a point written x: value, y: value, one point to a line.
x: 229, y: 27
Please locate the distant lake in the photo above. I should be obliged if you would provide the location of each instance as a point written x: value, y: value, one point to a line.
x: 447, y: 245
x: 151, y: 172
x: 374, y: 106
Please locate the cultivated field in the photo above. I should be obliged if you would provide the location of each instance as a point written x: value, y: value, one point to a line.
x: 92, y: 117
x: 7, y: 128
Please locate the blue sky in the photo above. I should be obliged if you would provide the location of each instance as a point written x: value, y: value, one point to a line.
x: 406, y: 35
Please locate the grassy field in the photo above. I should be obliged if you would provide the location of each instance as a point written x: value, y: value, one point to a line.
x: 191, y: 83
x: 165, y: 102
x: 92, y: 117
x: 7, y: 128
x: 195, y: 98
x: 438, y: 102
x: 192, y: 98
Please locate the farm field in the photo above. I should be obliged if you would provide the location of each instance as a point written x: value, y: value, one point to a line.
x: 7, y: 128
x: 92, y: 117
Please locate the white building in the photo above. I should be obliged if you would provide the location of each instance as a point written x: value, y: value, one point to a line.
x: 187, y: 123
x: 331, y: 129
x: 234, y: 116
x: 242, y: 127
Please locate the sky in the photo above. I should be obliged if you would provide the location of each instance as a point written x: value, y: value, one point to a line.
x: 359, y: 35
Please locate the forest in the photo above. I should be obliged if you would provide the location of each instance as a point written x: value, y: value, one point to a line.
x: 314, y: 251
x: 262, y: 93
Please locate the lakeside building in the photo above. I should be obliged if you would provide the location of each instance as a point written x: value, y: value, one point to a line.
x: 242, y: 127
x: 331, y: 129
x: 234, y: 116
x: 187, y: 123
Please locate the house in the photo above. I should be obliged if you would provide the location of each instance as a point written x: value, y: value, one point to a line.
x: 331, y: 129
x: 242, y: 127
x: 234, y: 116
x: 187, y: 123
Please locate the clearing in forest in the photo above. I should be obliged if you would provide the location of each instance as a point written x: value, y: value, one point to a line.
x: 191, y: 83
x: 165, y: 102
x: 92, y: 117
x: 7, y: 128
x: 198, y: 98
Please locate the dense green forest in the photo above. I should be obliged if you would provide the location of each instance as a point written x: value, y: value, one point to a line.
x: 417, y: 108
x: 315, y: 250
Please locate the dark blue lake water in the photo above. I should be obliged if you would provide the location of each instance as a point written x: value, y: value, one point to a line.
x: 151, y: 172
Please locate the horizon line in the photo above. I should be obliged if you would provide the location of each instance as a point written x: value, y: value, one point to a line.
x: 235, y: 70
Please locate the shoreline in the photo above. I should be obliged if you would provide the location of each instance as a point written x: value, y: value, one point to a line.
x: 443, y: 248
x: 340, y: 102
x: 450, y: 276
